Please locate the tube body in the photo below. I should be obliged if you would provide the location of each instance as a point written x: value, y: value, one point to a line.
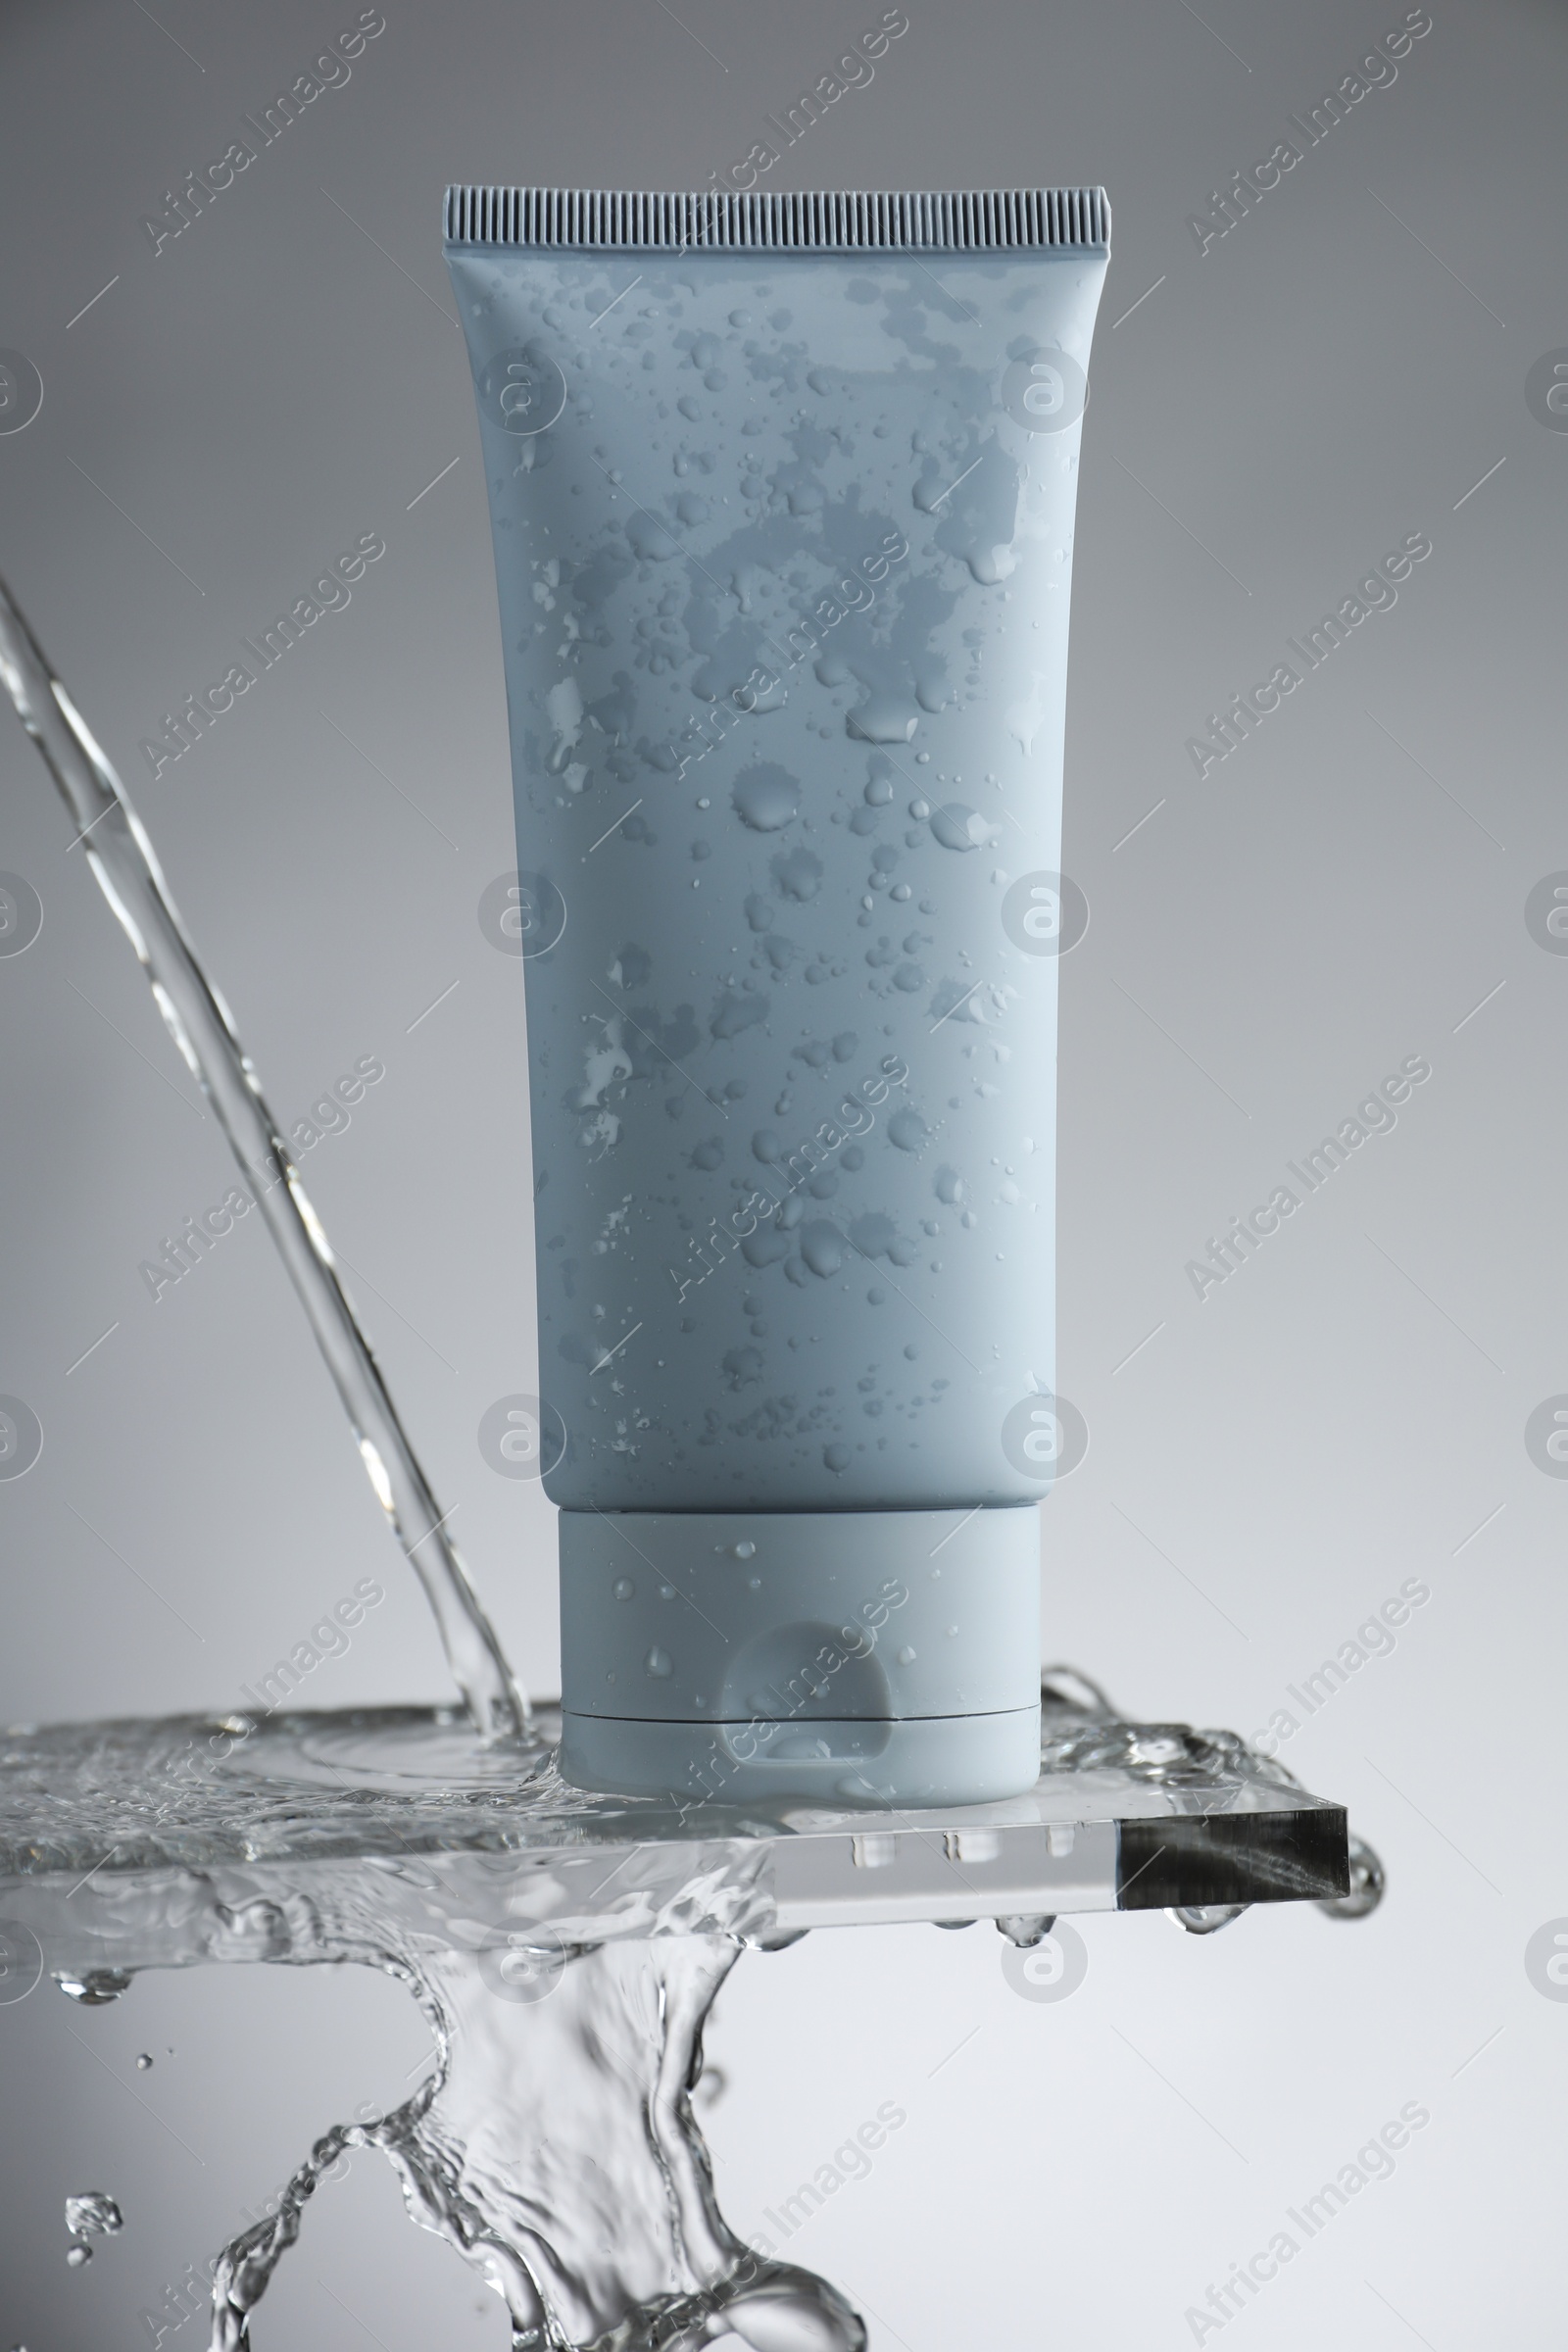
x: 783, y: 541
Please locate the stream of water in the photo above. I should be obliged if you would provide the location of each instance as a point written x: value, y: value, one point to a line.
x: 123, y: 862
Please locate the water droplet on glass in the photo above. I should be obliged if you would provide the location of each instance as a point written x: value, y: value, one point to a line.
x: 823, y: 1247
x: 960, y: 828
x: 746, y: 1550
x: 94, y: 2212
x: 143, y: 2061
x: 95, y: 1987
x: 1026, y: 1929
x: 77, y: 2254
x: 906, y: 1655
x: 766, y: 798
x: 836, y: 1457
x: 658, y: 1664
x: 1205, y: 1919
x: 885, y: 719
x: 624, y: 1589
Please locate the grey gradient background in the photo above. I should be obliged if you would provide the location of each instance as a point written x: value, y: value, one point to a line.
x: 1344, y: 891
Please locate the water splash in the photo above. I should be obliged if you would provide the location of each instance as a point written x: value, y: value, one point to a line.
x: 564, y: 1949
x: 92, y: 2214
x: 603, y: 2232
x: 125, y: 867
x: 553, y: 2142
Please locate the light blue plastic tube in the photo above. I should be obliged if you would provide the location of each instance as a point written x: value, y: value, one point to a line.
x: 782, y: 491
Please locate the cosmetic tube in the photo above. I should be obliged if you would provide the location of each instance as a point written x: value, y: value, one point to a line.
x: 782, y: 491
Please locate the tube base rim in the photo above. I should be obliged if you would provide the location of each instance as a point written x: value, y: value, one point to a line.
x: 869, y: 1761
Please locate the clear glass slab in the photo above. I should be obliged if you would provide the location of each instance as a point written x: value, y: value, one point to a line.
x: 139, y: 1843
